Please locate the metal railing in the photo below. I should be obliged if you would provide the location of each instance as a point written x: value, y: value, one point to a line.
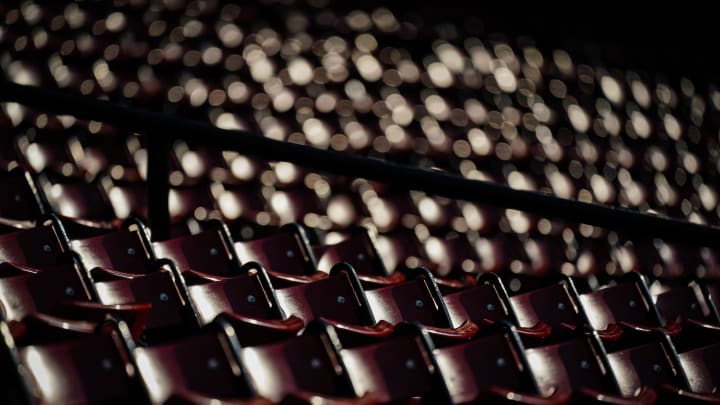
x: 161, y: 130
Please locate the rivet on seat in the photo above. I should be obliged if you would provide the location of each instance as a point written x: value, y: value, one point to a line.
x: 164, y: 297
x: 46, y: 248
x: 69, y: 291
x: 107, y: 364
x: 561, y: 306
x: 657, y: 368
x: 213, y: 252
x: 290, y: 254
x: 490, y: 307
x: 584, y: 364
x: 500, y: 362
x: 419, y: 303
x: 131, y: 252
x: 632, y: 304
x: 340, y: 299
x: 361, y: 256
x: 212, y: 363
x: 410, y: 364
x: 315, y: 363
x: 251, y: 298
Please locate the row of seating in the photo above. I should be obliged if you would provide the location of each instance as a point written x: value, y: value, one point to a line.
x: 391, y: 84
x: 448, y: 235
x: 277, y: 291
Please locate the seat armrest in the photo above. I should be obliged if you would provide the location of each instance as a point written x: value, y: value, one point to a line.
x: 188, y: 397
x: 495, y: 394
x: 680, y: 395
x: 252, y: 331
x: 646, y: 396
x: 540, y: 330
x: 465, y: 331
x: 306, y: 397
x: 293, y: 279
x: 100, y: 274
x: 380, y: 330
x: 135, y: 315
x: 672, y: 329
x: 381, y: 281
x: 612, y: 333
x: 194, y: 277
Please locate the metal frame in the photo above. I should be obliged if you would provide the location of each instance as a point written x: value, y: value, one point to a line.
x: 162, y: 130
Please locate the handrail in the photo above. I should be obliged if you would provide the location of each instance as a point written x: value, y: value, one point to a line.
x: 161, y: 129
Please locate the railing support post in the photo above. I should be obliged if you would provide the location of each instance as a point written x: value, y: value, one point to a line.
x: 158, y: 185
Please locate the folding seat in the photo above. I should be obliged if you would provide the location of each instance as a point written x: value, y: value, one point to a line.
x: 438, y: 214
x: 294, y: 204
x: 398, y: 368
x: 578, y: 368
x: 285, y: 252
x: 210, y: 251
x: 480, y: 218
x: 249, y: 301
x: 488, y: 303
x: 71, y: 361
x: 593, y: 257
x: 198, y: 162
x: 241, y: 202
x: 110, y: 151
x: 128, y: 198
x: 126, y: 250
x: 492, y: 368
x: 201, y: 366
x: 547, y: 254
x: 681, y: 300
x: 418, y: 299
x: 401, y: 250
x: 555, y: 305
x: 680, y: 260
x: 338, y: 299
x: 502, y: 252
x: 301, y: 369
x: 359, y: 251
x: 25, y: 291
x: 38, y: 247
x: 627, y: 305
x: 52, y: 149
x: 192, y: 201
x: 172, y: 313
x: 454, y: 256
x: 73, y: 197
x: 19, y: 199
x: 651, y: 361
x: 638, y: 255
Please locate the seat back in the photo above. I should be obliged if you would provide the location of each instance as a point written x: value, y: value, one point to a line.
x: 25, y: 291
x: 283, y: 252
x: 622, y: 302
x: 553, y: 305
x: 308, y: 363
x: 415, y: 300
x: 38, y: 247
x: 171, y: 311
x: 206, y: 252
x: 203, y: 364
x: 338, y: 297
x: 125, y: 250
x: 473, y: 367
x: 243, y: 294
x: 358, y: 250
x: 645, y: 365
x: 570, y: 366
x: 396, y: 368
